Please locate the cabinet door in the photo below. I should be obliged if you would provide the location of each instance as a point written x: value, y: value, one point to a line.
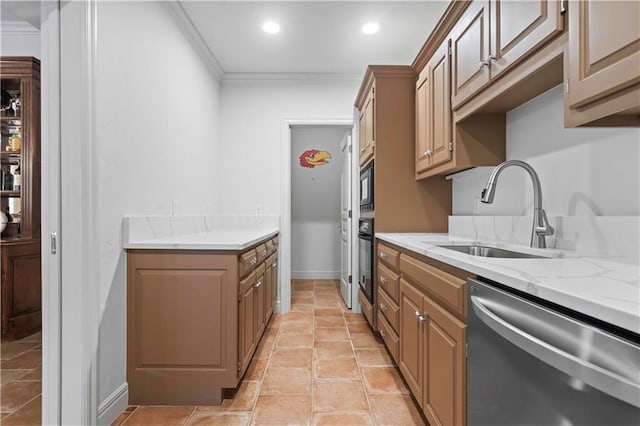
x: 444, y: 397
x: 422, y: 121
x: 439, y: 129
x: 259, y: 304
x: 604, y: 48
x: 368, y: 129
x: 470, y: 48
x: 519, y: 27
x: 411, y: 344
x: 268, y: 289
x: 246, y: 321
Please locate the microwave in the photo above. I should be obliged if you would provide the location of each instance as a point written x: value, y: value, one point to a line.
x: 366, y: 188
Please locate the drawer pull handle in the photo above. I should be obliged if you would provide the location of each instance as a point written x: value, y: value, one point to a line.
x: 383, y: 307
x: 264, y: 252
x: 383, y: 280
x: 420, y: 317
x: 383, y: 334
x: 258, y: 284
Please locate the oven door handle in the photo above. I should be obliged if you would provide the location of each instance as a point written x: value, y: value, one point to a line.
x: 602, y: 379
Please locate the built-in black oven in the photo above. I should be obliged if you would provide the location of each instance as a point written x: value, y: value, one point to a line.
x: 366, y: 188
x: 365, y: 263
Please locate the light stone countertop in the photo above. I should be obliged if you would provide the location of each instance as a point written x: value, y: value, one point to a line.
x: 196, y: 232
x: 218, y: 239
x: 606, y: 288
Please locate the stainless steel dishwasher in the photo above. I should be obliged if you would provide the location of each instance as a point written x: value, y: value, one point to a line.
x: 532, y: 363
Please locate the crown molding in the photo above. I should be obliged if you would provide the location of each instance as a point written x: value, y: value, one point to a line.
x: 19, y: 28
x: 261, y: 77
x: 198, y: 41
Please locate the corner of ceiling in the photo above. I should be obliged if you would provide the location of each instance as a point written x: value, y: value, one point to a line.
x: 196, y: 38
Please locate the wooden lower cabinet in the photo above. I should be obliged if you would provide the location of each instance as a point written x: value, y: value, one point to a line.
x: 432, y: 356
x: 21, y: 288
x: 421, y: 318
x: 194, y: 321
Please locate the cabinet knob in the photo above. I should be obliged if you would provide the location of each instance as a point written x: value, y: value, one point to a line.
x: 258, y: 284
x: 420, y: 317
x: 253, y: 261
x: 383, y: 255
x: 383, y: 307
x: 362, y: 150
x: 428, y: 152
x: 383, y: 334
x: 383, y: 280
x: 264, y: 252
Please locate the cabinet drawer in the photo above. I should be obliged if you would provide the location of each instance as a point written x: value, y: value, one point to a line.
x: 389, y: 256
x: 247, y: 282
x: 388, y: 281
x: 248, y: 260
x: 366, y: 307
x: 261, y: 252
x: 390, y: 338
x: 389, y: 309
x: 448, y: 289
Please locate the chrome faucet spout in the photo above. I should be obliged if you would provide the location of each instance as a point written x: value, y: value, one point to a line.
x: 541, y: 227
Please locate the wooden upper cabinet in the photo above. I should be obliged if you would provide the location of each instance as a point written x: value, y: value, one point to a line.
x: 470, y: 47
x: 519, y: 27
x: 422, y: 121
x: 433, y: 111
x: 367, y: 128
x: 440, y: 111
x: 604, y: 49
x: 493, y: 35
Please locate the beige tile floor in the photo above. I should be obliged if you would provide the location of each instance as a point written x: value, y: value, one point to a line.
x: 21, y: 389
x: 319, y: 364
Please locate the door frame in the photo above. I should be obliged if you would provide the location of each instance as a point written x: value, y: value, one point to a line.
x: 284, y: 264
x: 50, y: 212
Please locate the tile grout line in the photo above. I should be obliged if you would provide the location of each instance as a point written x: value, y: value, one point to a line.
x: 188, y: 418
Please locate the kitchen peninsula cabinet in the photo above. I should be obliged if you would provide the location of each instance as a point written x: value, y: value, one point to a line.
x: 194, y: 320
x: 602, y: 75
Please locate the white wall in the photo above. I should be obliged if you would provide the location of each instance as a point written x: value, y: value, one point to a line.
x: 315, y: 204
x: 583, y: 171
x: 251, y: 117
x: 19, y: 39
x: 157, y: 142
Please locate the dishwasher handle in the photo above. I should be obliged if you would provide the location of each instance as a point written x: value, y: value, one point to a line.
x: 602, y: 379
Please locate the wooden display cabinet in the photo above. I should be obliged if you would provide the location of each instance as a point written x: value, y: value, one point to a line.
x: 20, y: 195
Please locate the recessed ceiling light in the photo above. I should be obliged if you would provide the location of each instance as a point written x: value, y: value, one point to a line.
x: 271, y: 27
x: 370, y: 28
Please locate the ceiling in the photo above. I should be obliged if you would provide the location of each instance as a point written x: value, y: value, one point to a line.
x: 21, y: 11
x: 315, y: 36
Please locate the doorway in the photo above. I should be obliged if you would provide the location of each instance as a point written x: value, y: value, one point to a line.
x: 316, y: 166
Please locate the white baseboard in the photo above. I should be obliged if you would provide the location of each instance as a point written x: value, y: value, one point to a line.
x: 113, y: 405
x: 315, y: 275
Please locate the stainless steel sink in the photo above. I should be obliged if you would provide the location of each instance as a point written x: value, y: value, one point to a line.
x: 484, y: 251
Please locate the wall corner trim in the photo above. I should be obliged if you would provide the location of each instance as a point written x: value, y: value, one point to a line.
x: 196, y: 38
x: 113, y: 405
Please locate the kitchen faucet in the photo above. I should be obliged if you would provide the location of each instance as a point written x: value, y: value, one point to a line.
x: 541, y: 226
